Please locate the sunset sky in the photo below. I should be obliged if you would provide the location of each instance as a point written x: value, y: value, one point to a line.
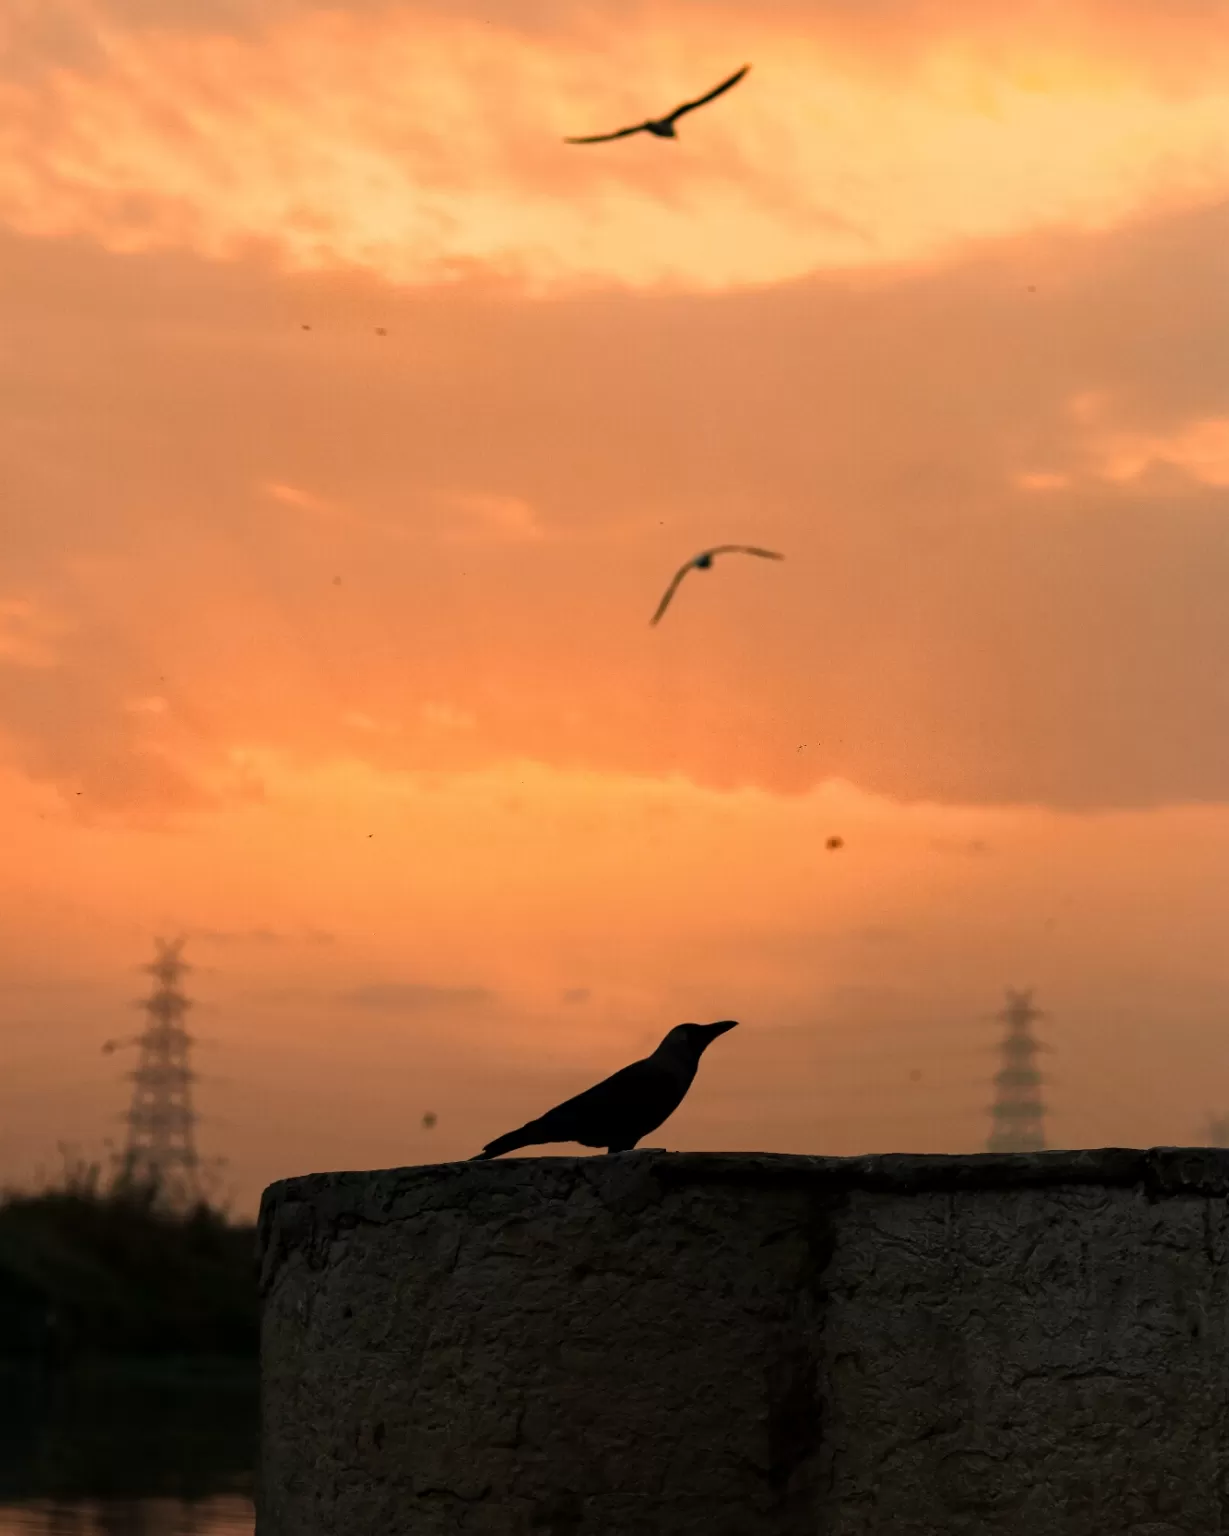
x: 351, y: 425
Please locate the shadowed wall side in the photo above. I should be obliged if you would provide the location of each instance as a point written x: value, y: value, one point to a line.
x: 746, y: 1344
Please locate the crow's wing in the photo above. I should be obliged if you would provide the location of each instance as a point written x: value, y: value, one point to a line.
x: 603, y: 138
x: 745, y: 549
x: 623, y: 1107
x: 718, y: 90
x: 671, y: 590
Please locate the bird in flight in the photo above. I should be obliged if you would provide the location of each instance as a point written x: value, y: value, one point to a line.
x: 663, y: 127
x: 618, y: 1111
x: 703, y: 561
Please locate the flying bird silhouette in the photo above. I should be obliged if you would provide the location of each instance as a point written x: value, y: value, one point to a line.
x: 703, y: 561
x: 663, y: 127
x: 618, y: 1111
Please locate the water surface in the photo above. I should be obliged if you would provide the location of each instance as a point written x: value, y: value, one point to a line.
x: 128, y: 1449
x: 224, y: 1516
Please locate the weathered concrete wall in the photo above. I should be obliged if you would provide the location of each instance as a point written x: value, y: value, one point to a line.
x: 655, y: 1344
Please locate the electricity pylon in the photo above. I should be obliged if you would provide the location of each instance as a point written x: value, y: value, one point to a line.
x: 1017, y: 1114
x: 160, y: 1154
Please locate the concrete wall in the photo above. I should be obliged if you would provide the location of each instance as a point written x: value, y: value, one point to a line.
x: 719, y: 1345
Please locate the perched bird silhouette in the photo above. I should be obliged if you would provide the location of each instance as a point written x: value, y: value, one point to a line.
x: 663, y: 127
x: 617, y: 1112
x: 703, y: 561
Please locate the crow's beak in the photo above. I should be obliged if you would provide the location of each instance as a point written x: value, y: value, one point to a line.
x: 721, y: 1028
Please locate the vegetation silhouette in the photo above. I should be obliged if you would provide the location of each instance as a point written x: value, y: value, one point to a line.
x: 94, y: 1267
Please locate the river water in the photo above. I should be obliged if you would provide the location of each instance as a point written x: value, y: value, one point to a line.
x: 128, y: 1517
x: 128, y: 1450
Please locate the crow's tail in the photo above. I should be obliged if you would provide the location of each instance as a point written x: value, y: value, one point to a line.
x: 527, y: 1136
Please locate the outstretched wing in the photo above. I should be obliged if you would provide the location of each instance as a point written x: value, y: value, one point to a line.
x: 718, y: 90
x: 671, y: 590
x: 746, y: 549
x: 603, y: 138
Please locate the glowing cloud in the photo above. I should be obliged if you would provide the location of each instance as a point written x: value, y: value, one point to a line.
x: 1042, y: 480
x: 496, y: 518
x: 292, y: 496
x: 423, y: 146
x: 1199, y: 449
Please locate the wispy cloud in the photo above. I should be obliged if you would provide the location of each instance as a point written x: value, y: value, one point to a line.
x: 261, y: 936
x: 28, y: 633
x: 447, y: 717
x: 358, y: 720
x: 476, y: 516
x: 1198, y: 449
x: 1042, y: 480
x: 424, y: 143
x: 413, y: 996
x: 895, y: 498
x: 972, y: 847
x: 293, y: 496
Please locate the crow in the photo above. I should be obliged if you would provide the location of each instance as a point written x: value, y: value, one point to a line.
x: 663, y: 127
x: 703, y: 561
x: 617, y: 1112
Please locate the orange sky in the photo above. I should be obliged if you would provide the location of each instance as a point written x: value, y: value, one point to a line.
x: 330, y: 647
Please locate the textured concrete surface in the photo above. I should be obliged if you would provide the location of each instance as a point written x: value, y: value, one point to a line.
x: 720, y: 1345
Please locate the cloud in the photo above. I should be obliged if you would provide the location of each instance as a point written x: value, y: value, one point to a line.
x: 111, y: 755
x: 931, y: 634
x: 358, y: 721
x: 424, y: 143
x: 572, y: 887
x: 1042, y: 480
x: 972, y: 847
x: 880, y: 933
x: 1198, y: 449
x: 413, y: 997
x: 27, y: 634
x: 481, y: 516
x: 292, y: 496
x: 260, y: 936
x: 446, y: 717
x: 232, y: 936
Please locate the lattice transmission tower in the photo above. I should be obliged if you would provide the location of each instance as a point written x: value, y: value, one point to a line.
x: 161, y: 1147
x: 1018, y: 1114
